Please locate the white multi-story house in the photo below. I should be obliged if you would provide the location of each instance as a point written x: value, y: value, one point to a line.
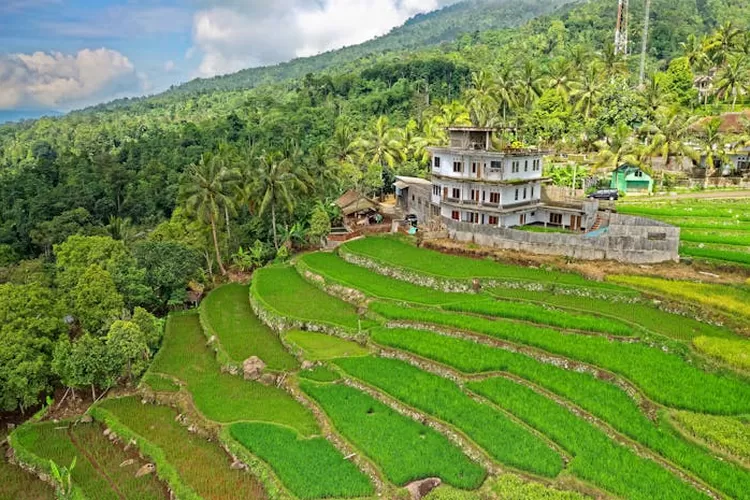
x: 473, y: 183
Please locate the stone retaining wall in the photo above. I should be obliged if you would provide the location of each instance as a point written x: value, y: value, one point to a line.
x: 635, y: 240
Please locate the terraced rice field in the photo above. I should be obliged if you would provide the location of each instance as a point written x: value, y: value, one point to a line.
x: 544, y: 385
x: 712, y: 230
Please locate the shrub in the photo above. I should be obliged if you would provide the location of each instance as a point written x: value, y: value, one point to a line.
x: 404, y: 449
x: 503, y: 439
x: 310, y: 468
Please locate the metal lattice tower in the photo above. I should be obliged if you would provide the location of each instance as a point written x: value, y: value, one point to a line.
x: 621, y: 31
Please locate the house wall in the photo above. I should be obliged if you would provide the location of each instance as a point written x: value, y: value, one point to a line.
x: 627, y: 239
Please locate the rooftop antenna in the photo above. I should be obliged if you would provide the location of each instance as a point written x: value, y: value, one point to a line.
x: 644, y: 43
x: 621, y: 31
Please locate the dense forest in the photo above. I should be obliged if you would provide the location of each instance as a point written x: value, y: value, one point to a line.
x: 109, y: 215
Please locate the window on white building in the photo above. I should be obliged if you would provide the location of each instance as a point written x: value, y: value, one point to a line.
x: 516, y: 194
x: 493, y: 220
x: 496, y: 164
x: 456, y: 193
x: 455, y: 215
x: 532, y: 192
x: 457, y: 166
x: 526, y: 166
x: 436, y: 162
x: 494, y: 197
x: 524, y: 193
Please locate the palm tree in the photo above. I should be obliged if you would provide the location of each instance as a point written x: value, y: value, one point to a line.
x: 587, y: 90
x: 278, y: 180
x: 560, y: 76
x: 713, y: 146
x: 617, y: 148
x: 481, y: 99
x: 579, y: 56
x: 453, y: 113
x: 655, y: 96
x: 344, y: 145
x: 412, y: 144
x: 724, y: 42
x: 380, y: 144
x: 670, y: 134
x: 504, y: 91
x: 529, y: 83
x: 692, y: 50
x: 614, y: 62
x: 208, y: 190
x: 733, y: 79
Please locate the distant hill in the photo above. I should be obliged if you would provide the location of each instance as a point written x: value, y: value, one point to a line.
x: 15, y: 115
x: 423, y: 30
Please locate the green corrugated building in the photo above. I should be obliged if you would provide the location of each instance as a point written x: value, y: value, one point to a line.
x: 629, y: 178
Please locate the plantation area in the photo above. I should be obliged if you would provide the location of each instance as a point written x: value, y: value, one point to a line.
x: 716, y: 231
x: 383, y: 367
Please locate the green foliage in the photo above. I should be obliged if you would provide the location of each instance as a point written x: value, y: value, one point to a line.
x: 663, y: 376
x: 192, y: 466
x: 679, y: 81
x: 503, y: 439
x: 87, y: 362
x: 227, y: 314
x: 310, y: 468
x: 160, y: 383
x: 320, y: 224
x: 222, y: 397
x: 283, y: 290
x: 127, y: 344
x: 601, y: 398
x: 404, y: 449
x: 319, y: 346
x: 597, y: 458
x: 63, y: 479
x: 95, y: 300
x: 169, y: 267
x: 734, y: 352
x: 19, y: 484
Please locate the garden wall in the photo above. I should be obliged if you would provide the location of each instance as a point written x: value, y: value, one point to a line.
x: 630, y: 239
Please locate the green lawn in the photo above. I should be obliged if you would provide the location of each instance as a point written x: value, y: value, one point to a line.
x: 664, y: 377
x: 404, y: 449
x: 160, y: 383
x: 599, y: 397
x: 97, y: 471
x: 310, y: 468
x: 219, y: 396
x: 395, y: 252
x: 319, y: 346
x: 649, y: 317
x: 202, y: 465
x: 597, y: 458
x: 229, y: 316
x: 333, y: 267
x: 286, y: 293
x: 505, y: 440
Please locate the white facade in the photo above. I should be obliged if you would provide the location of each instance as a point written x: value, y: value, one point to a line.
x: 472, y: 183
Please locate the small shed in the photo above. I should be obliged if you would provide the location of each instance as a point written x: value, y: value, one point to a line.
x: 631, y: 179
x: 353, y: 202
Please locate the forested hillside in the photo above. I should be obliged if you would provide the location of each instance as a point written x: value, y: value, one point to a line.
x: 130, y: 202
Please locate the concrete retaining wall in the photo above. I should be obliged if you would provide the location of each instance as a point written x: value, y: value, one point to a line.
x: 630, y: 239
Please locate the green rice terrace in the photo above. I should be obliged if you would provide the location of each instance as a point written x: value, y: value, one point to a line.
x: 392, y: 371
x: 715, y: 231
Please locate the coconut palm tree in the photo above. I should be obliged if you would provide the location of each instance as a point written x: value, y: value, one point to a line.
x: 278, y: 182
x: 208, y: 190
x: 713, y: 146
x: 613, y: 62
x: 380, y: 145
x: 504, y: 91
x: 586, y: 91
x: 670, y: 136
x: 733, y: 79
x: 693, y: 50
x: 561, y: 74
x: 655, y: 96
x: 529, y: 83
x: 482, y: 104
x: 618, y: 147
x: 344, y: 146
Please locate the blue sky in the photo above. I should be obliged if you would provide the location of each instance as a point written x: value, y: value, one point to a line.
x: 65, y: 54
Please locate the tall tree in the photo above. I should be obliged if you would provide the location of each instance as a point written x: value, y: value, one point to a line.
x: 617, y: 148
x: 670, y: 136
x: 733, y: 79
x: 587, y: 90
x: 713, y: 146
x: 207, y: 191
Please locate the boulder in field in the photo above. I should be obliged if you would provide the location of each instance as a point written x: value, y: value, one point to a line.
x: 252, y: 368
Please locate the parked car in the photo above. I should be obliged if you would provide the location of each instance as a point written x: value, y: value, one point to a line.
x: 605, y: 194
x: 412, y: 219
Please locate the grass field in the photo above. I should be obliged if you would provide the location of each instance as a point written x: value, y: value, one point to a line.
x: 404, y: 449
x: 505, y: 487
x: 229, y: 316
x: 160, y: 383
x: 601, y: 398
x: 544, y: 316
x: 17, y: 484
x: 731, y: 299
x: 219, y: 396
x: 714, y: 230
x: 395, y: 252
x: 202, y: 465
x: 97, y: 471
x: 664, y: 377
x: 319, y: 346
x: 505, y: 440
x: 731, y: 434
x: 320, y: 374
x: 597, y: 458
x: 282, y: 289
x: 310, y: 468
x: 649, y: 317
x: 373, y: 284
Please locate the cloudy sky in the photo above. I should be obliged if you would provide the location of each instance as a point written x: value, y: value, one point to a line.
x: 64, y: 54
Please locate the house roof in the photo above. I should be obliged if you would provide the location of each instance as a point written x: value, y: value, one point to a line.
x: 406, y: 180
x: 352, y: 202
x: 461, y: 128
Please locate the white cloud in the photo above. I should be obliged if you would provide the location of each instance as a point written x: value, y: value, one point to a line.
x: 234, y: 34
x: 169, y: 66
x: 62, y: 81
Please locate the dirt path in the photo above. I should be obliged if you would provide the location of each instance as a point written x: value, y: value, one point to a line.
x: 98, y: 468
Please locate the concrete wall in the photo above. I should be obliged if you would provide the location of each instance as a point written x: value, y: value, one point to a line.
x: 629, y: 239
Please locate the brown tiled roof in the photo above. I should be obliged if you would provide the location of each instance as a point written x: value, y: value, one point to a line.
x: 731, y: 123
